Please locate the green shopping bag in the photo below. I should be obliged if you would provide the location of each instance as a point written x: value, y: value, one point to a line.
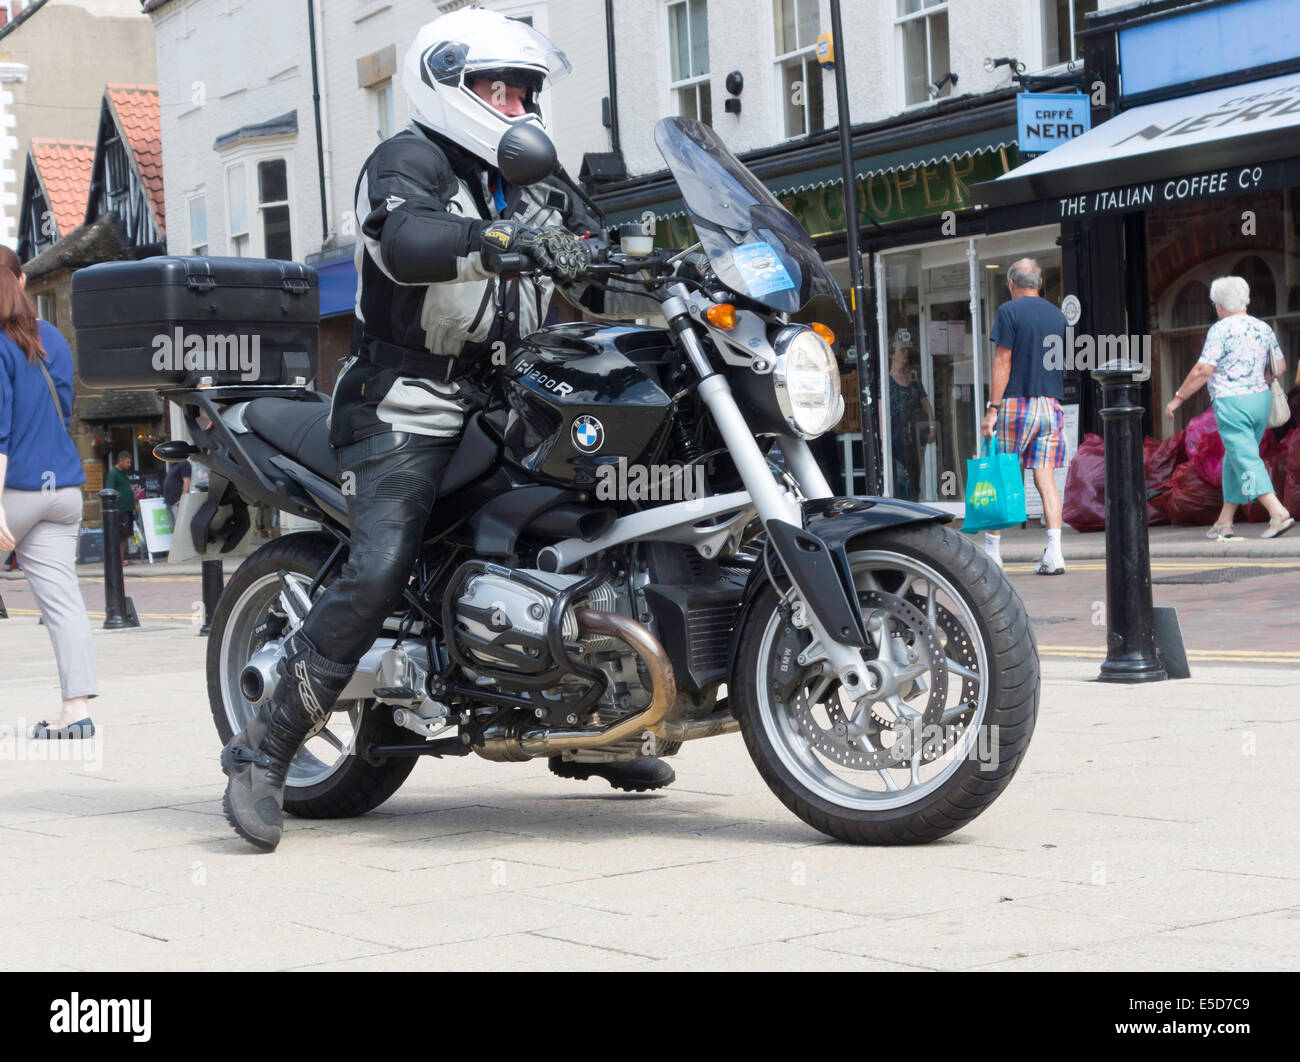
x: 995, y: 490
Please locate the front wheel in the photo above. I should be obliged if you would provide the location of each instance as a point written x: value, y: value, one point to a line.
x: 951, y: 703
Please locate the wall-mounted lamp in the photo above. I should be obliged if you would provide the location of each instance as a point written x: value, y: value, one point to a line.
x: 1017, y: 67
x: 937, y: 88
x: 734, y: 84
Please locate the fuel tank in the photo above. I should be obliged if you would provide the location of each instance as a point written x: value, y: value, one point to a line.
x: 585, y: 394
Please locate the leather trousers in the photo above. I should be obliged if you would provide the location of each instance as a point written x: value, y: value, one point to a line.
x: 391, y: 482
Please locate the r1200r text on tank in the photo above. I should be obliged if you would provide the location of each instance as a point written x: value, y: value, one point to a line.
x: 880, y: 668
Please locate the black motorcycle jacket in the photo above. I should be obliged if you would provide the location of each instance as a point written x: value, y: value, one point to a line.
x: 422, y: 204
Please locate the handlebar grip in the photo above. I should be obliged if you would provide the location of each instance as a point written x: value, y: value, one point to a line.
x: 513, y: 264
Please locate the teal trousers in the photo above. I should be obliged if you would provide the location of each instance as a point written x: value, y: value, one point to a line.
x: 1243, y: 420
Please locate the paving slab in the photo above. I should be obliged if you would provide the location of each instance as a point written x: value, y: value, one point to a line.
x: 1149, y: 828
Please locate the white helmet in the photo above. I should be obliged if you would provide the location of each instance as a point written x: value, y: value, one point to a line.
x: 452, y: 50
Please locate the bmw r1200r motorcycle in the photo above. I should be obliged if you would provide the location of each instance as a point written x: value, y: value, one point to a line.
x: 619, y: 563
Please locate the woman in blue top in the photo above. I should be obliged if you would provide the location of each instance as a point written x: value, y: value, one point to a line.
x: 1239, y: 352
x: 40, y: 506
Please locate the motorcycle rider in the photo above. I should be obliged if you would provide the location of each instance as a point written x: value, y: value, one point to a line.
x: 433, y: 307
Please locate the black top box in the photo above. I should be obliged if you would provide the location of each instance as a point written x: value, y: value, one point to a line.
x: 180, y: 321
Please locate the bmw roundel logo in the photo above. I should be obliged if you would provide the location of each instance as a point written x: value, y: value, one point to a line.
x: 588, y: 434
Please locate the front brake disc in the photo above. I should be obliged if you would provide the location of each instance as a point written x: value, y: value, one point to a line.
x: 916, y: 643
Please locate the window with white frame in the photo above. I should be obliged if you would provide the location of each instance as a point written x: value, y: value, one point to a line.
x: 198, y: 205
x: 922, y: 31
x: 273, y: 208
x: 1062, y: 20
x: 237, y: 209
x: 688, y: 59
x: 797, y: 24
x: 381, y: 108
x: 258, y: 203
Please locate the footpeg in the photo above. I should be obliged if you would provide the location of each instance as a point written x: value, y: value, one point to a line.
x: 388, y: 694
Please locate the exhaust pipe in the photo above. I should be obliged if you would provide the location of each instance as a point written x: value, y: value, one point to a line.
x: 516, y: 740
x: 259, y: 676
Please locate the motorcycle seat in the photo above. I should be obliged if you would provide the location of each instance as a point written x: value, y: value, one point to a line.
x: 298, y: 430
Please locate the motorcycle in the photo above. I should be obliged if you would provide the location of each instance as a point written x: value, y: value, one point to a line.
x: 635, y: 548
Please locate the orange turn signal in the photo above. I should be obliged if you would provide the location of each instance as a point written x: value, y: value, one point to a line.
x: 722, y: 315
x: 824, y: 332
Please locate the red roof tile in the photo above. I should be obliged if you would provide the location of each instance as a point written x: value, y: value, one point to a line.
x: 64, y: 168
x: 136, y: 107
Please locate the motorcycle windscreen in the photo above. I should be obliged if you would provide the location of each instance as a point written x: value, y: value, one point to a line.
x: 754, y: 244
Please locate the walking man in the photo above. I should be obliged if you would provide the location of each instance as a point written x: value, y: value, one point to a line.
x: 1024, y: 405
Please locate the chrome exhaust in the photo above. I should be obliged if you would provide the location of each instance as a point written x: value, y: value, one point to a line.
x: 518, y: 740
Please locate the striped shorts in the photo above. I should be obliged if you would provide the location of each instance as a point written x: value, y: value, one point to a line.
x: 1034, y: 428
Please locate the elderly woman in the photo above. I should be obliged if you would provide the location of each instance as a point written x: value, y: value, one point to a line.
x: 1239, y: 352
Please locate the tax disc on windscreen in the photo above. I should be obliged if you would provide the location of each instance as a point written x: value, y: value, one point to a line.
x: 1072, y: 308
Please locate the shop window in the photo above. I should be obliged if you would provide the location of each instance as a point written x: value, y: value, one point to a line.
x: 1192, y: 306
x: 688, y: 59
x: 922, y: 31
x: 797, y: 24
x: 1263, y: 289
x: 1293, y: 300
x: 1062, y: 21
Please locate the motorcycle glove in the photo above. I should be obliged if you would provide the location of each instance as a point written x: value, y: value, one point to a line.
x: 553, y: 250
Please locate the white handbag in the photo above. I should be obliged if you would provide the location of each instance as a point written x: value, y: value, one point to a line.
x: 1280, y: 411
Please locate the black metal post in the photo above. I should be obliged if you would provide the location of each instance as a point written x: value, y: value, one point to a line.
x: 119, y: 611
x: 1131, y: 654
x: 214, y: 581
x: 614, y: 144
x: 858, y: 293
x: 315, y: 105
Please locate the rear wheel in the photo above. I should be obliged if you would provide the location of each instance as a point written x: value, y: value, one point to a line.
x: 327, y: 778
x: 952, y: 701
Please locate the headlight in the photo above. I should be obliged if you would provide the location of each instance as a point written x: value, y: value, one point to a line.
x: 807, y: 382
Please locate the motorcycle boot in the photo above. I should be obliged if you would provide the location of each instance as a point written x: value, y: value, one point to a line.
x: 631, y: 776
x: 256, y: 760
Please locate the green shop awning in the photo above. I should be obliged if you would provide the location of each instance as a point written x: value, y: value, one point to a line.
x: 906, y: 181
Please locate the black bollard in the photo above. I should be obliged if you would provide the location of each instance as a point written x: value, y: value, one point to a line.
x: 214, y: 581
x: 1131, y: 654
x: 119, y: 610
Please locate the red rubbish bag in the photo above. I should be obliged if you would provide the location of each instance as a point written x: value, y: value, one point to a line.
x: 1291, y: 487
x: 1159, y: 468
x: 1205, y: 448
x: 1192, y: 501
x: 1084, y: 504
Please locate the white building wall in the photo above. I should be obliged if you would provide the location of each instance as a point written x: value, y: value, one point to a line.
x: 223, y: 64
x: 741, y: 37
x: 351, y: 29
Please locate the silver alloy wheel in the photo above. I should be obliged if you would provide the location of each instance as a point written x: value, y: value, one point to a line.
x: 882, y: 575
x: 329, y: 746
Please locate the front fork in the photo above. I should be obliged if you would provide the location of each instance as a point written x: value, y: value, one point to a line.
x: 830, y: 614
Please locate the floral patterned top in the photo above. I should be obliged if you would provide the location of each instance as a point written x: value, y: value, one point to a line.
x: 1239, y: 347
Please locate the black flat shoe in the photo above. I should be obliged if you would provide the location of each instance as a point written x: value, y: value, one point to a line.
x: 82, y: 728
